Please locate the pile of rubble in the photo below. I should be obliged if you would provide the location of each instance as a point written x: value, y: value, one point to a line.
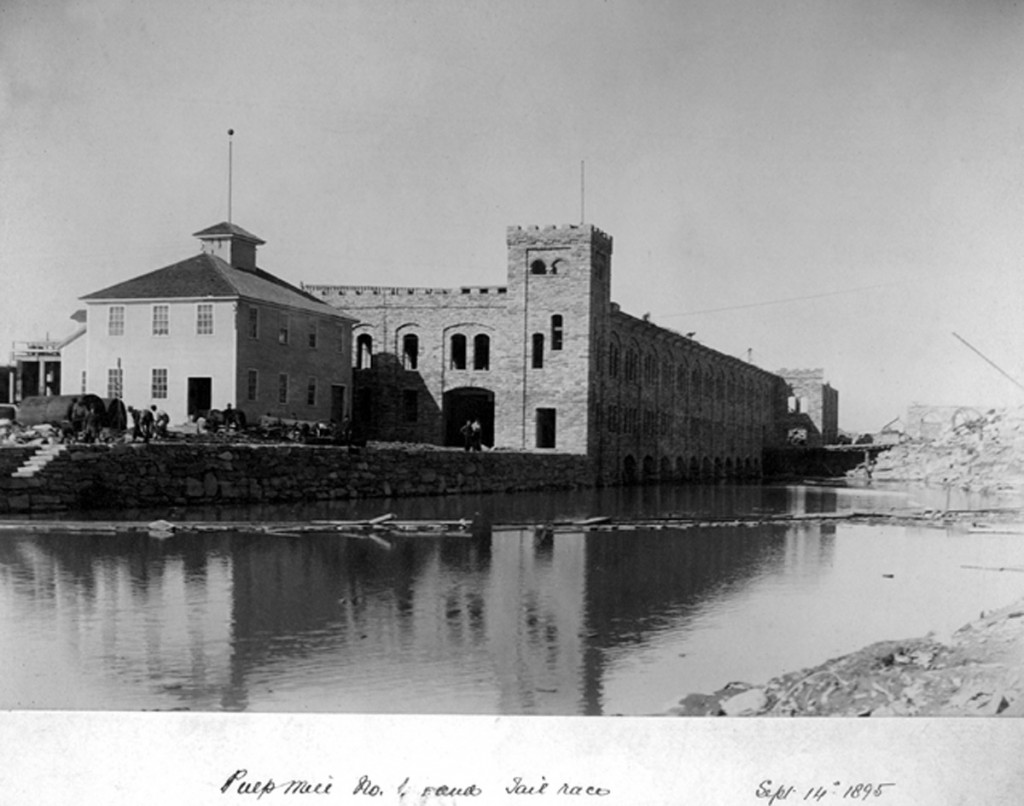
x: 978, y: 673
x: 12, y: 433
x: 985, y: 453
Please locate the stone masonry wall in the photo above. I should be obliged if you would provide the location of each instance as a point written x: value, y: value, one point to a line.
x: 168, y: 474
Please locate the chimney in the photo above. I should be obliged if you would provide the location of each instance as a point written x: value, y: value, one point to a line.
x: 231, y: 244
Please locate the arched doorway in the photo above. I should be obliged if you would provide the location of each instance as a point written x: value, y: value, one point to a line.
x: 467, y: 404
x: 629, y: 470
x: 650, y: 474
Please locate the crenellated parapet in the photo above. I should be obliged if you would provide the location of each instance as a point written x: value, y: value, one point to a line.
x: 553, y: 233
x: 328, y: 291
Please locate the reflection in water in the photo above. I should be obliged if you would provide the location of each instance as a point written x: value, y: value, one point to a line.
x: 503, y: 622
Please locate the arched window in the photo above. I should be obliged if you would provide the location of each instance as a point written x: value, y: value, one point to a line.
x: 557, y: 266
x: 538, y: 350
x: 538, y: 267
x: 556, y: 332
x: 410, y: 350
x: 481, y: 351
x: 458, y: 351
x: 364, y: 350
x: 613, y: 361
x: 631, y: 365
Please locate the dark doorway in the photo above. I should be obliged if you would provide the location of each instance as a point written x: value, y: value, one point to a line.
x: 546, y: 428
x: 200, y: 396
x: 363, y: 421
x: 30, y: 379
x: 469, y: 404
x: 337, y: 403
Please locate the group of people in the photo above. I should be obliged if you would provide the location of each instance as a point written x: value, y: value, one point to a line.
x: 473, y: 434
x: 148, y: 423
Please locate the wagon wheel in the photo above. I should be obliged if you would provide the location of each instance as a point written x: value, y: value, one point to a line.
x: 967, y: 419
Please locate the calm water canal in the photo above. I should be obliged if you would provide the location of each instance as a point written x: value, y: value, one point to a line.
x: 622, y: 622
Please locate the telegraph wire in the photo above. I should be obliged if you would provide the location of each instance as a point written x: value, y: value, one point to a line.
x: 765, y: 303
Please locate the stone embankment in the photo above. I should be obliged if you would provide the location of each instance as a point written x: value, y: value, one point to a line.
x: 978, y: 672
x: 179, y: 473
x: 985, y: 453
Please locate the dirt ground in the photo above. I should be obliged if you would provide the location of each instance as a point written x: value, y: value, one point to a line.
x: 978, y: 673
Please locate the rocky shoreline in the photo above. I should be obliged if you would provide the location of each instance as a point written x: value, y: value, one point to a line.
x: 978, y: 672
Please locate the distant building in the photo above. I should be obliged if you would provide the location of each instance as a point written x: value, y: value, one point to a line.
x: 548, y: 362
x: 812, y: 411
x: 215, y: 329
x: 930, y: 422
x: 37, y: 369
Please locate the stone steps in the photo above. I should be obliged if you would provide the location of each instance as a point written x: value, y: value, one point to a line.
x: 38, y: 460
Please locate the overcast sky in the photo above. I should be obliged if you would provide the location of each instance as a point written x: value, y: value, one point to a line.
x: 826, y: 184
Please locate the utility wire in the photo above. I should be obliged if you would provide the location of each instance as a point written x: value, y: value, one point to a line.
x: 999, y: 369
x: 779, y: 301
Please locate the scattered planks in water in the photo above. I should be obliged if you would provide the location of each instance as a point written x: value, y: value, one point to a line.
x: 937, y: 517
x: 387, y: 525
x: 607, y: 524
x: 374, y: 529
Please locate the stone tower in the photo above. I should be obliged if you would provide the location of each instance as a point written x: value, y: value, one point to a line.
x: 559, y: 286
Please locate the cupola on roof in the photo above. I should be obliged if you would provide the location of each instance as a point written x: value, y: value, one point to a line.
x: 225, y: 229
x: 231, y: 244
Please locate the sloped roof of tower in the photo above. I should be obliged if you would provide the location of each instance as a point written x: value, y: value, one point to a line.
x: 209, y: 276
x: 225, y: 229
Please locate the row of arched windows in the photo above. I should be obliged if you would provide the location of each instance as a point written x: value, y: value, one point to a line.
x: 540, y: 267
x: 715, y: 384
x: 458, y: 353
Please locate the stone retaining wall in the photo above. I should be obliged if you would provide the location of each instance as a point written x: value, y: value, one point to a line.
x: 175, y: 474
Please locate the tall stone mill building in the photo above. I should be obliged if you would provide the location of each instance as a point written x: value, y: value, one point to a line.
x: 548, y: 362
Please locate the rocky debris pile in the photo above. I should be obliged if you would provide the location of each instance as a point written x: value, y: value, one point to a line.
x: 979, y: 673
x: 984, y: 453
x: 12, y: 433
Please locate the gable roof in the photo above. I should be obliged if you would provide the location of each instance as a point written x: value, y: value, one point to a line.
x: 207, y: 275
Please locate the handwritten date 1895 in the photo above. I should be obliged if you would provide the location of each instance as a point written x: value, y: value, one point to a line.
x: 772, y: 792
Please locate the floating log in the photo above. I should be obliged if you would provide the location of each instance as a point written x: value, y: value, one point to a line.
x: 383, y: 525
